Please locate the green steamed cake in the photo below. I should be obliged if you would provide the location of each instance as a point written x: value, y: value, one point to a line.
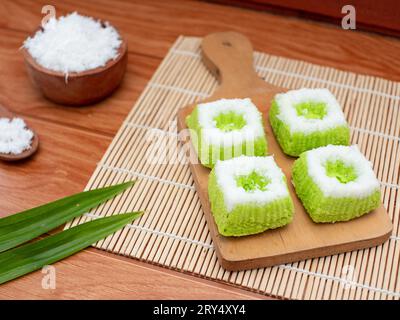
x: 225, y: 129
x: 249, y: 195
x: 335, y: 183
x: 305, y: 119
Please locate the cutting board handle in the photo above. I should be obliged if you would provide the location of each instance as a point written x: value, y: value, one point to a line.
x: 229, y: 56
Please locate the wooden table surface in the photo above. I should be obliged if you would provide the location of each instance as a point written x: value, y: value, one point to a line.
x: 73, y: 140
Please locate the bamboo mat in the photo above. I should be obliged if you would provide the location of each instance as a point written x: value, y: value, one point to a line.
x: 173, y: 232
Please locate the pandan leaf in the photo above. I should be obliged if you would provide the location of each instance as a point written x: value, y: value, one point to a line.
x: 33, y: 256
x: 27, y: 225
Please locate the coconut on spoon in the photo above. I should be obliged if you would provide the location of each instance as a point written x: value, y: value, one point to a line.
x: 17, y: 140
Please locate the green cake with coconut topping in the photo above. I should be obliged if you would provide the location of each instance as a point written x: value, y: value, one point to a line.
x: 249, y: 195
x: 226, y: 128
x: 336, y: 183
x: 305, y: 119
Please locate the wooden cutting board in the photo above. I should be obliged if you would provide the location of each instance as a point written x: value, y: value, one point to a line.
x: 229, y: 56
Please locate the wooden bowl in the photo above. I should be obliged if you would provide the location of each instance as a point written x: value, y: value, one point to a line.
x: 81, y: 88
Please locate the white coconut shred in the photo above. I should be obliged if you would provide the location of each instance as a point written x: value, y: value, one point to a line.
x: 212, y: 135
x: 226, y: 172
x: 363, y: 186
x: 15, y: 137
x: 74, y: 43
x: 287, y: 113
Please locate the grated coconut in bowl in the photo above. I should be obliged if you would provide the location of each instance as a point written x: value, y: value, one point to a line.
x: 74, y: 43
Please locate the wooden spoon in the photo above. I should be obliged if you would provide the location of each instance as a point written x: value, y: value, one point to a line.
x: 5, y: 113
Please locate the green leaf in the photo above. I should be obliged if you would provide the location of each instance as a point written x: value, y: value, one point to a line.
x: 27, y: 225
x: 33, y: 256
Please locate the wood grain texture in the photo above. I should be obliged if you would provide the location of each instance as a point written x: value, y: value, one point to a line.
x: 230, y: 56
x: 382, y: 16
x: 150, y: 28
x: 78, y: 278
x: 64, y: 160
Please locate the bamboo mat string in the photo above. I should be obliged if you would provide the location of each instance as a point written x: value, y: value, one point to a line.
x: 173, y: 232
